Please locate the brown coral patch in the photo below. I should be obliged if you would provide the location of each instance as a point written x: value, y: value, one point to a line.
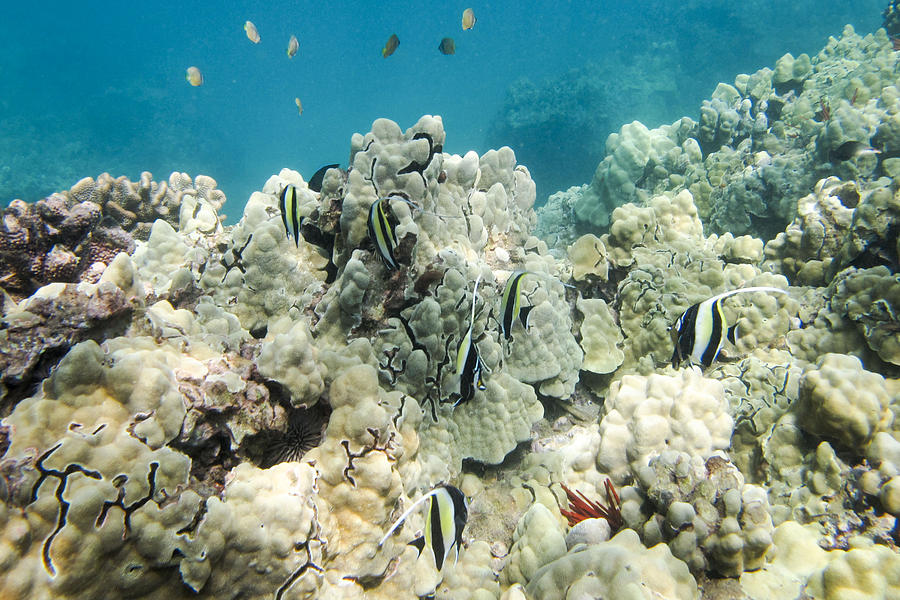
x: 33, y: 346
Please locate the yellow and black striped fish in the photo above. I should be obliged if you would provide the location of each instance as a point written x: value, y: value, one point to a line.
x: 512, y: 304
x: 289, y: 203
x: 469, y: 366
x: 700, y: 330
x: 382, y: 233
x: 445, y: 519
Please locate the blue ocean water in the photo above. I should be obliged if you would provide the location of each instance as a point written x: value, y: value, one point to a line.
x: 100, y: 86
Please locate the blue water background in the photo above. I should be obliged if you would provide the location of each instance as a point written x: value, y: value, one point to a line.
x: 88, y: 87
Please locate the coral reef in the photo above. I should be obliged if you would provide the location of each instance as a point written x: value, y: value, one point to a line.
x: 50, y: 322
x: 559, y: 124
x: 135, y: 205
x: 758, y: 145
x: 208, y: 410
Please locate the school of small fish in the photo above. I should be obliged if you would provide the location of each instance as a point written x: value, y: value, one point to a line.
x: 447, y: 46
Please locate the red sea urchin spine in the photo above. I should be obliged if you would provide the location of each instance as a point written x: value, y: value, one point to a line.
x: 582, y: 508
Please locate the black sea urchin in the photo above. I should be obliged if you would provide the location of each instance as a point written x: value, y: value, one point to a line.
x: 305, y: 429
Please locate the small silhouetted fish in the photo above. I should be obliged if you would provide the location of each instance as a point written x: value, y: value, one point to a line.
x: 293, y: 46
x: 299, y: 105
x: 447, y: 46
x: 390, y: 46
x: 468, y: 19
x: 194, y: 76
x: 849, y: 150
x: 252, y: 33
x: 315, y: 182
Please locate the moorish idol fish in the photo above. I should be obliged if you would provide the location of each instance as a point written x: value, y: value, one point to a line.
x: 382, y: 233
x: 468, y: 360
x: 315, y: 183
x: 700, y: 330
x: 445, y: 520
x: 512, y: 306
x: 289, y: 203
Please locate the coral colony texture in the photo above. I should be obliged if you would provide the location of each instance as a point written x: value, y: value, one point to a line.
x: 192, y: 410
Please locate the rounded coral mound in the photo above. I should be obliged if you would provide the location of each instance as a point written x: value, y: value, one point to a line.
x: 841, y: 401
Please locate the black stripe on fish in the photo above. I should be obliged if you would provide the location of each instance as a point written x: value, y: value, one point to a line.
x: 717, y: 327
x: 684, y: 335
x: 436, y: 537
x: 732, y: 334
x: 460, y: 513
x: 523, y: 315
x: 283, y: 210
x: 470, y: 372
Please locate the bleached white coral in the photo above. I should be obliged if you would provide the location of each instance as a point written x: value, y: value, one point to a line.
x: 620, y: 567
x: 644, y: 415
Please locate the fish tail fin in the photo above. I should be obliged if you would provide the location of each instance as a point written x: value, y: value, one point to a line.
x: 418, y: 544
x: 523, y: 315
x: 733, y: 334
